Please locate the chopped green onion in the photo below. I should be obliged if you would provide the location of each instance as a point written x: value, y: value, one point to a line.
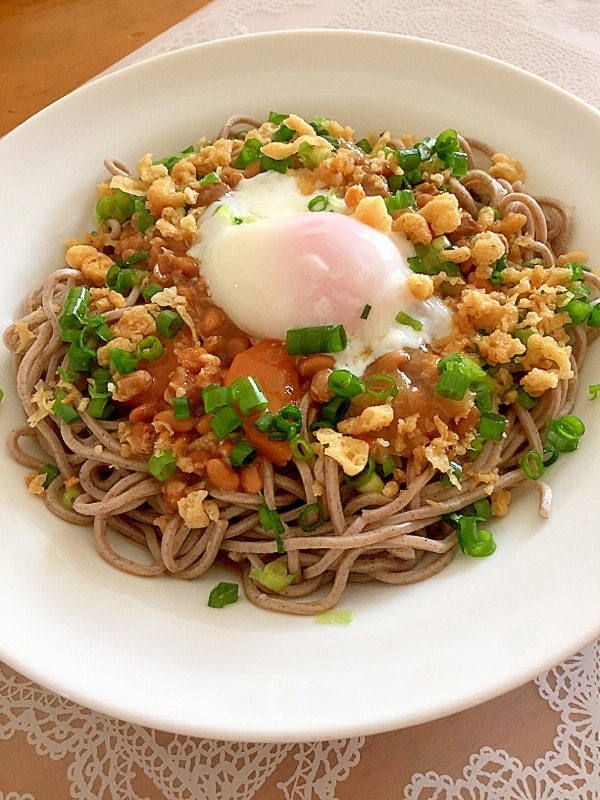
x: 311, y: 517
x: 532, y: 465
x: 162, y: 467
x: 63, y: 410
x: 475, y: 447
x: 282, y: 436
x: 564, y: 433
x: 69, y: 496
x: 225, y: 422
x: 578, y: 310
x: 274, y: 576
x: 265, y: 423
x: 335, y: 409
x: 403, y: 198
x: 319, y: 124
x: 498, y: 268
x: 277, y: 119
x: 452, y: 385
x: 427, y: 260
x: 524, y: 399
x: 366, y: 311
x: 483, y: 398
x: 289, y: 421
x: 343, y: 382
x: 460, y: 165
x: 593, y: 320
x: 123, y: 279
x: 123, y: 361
x: 249, y: 153
x: 335, y: 616
x: 99, y: 406
x: 480, y: 510
x: 312, y: 155
x: 226, y: 211
x: 168, y: 324
x: 51, y: 472
x: 271, y: 521
x: 550, y: 455
x: 388, y: 465
x: 101, y: 329
x: 318, y: 203
x: 301, y: 449
x: 181, y: 408
x: 135, y: 258
x: 324, y: 339
x: 593, y: 389
x: 408, y: 159
x: 463, y: 364
x: 370, y: 485
x: 150, y: 348
x: 396, y: 182
x: 405, y: 319
x: 101, y: 377
x: 447, y: 143
x: 414, y: 177
x: 67, y: 376
x: 145, y: 218
x: 212, y: 177
x: 474, y: 542
x: 278, y: 165
x: 365, y: 146
x: 119, y: 205
x: 249, y: 396
x: 364, y: 475
x: 215, y: 397
x: 150, y: 290
x: 242, y: 455
x: 75, y: 308
x: 383, y: 387
x: 283, y: 134
x: 223, y: 594
x: 80, y: 359
x: 170, y: 161
x: 491, y: 426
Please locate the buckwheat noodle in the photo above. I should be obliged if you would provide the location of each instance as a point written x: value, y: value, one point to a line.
x: 364, y: 538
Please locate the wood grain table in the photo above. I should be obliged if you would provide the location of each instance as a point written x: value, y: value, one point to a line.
x: 48, y: 48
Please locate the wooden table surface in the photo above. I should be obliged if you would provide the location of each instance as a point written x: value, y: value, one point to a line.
x: 49, y: 47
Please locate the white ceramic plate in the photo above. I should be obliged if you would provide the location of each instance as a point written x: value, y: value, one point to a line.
x: 150, y: 650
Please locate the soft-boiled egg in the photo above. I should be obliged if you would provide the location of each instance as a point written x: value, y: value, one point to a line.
x: 271, y: 265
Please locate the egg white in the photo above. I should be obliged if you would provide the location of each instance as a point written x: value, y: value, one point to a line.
x: 269, y: 275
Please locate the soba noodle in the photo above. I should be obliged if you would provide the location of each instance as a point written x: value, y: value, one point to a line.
x: 398, y: 539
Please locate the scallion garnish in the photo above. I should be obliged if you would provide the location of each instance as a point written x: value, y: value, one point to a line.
x: 452, y: 385
x: 343, y: 382
x: 63, y: 410
x: 318, y: 203
x: 564, y: 433
x: 181, y: 408
x: 365, y: 146
x: 474, y: 542
x: 593, y: 320
x: 170, y: 161
x: 301, y: 449
x: 483, y: 397
x: 51, y: 472
x: 212, y: 177
x: 335, y: 409
x: 335, y: 616
x: 150, y: 290
x: 168, y: 323
x: 119, y: 205
x: 388, y: 465
x: 150, y: 348
x: 271, y: 521
x: 524, y: 399
x: 283, y: 134
x: 593, y: 389
x: 215, y: 397
x: 242, y: 455
x: 366, y: 311
x: 532, y: 465
x: 274, y: 576
x: 122, y: 361
x: 383, y: 387
x: 311, y: 517
x: 75, y: 308
x: 266, y: 422
x: 491, y: 426
x: 277, y: 119
x: 402, y: 198
x: 162, y: 466
x: 289, y: 421
x: 323, y: 339
x: 223, y: 594
x: 225, y: 422
x: 405, y: 319
x: 578, y: 310
x: 69, y: 496
x: 249, y: 396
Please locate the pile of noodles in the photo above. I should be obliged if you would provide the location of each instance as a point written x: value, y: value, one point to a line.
x: 365, y: 537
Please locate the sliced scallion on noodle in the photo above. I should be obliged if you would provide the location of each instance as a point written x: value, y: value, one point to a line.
x: 223, y: 594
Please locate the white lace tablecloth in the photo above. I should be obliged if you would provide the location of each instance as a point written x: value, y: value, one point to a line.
x: 110, y: 759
